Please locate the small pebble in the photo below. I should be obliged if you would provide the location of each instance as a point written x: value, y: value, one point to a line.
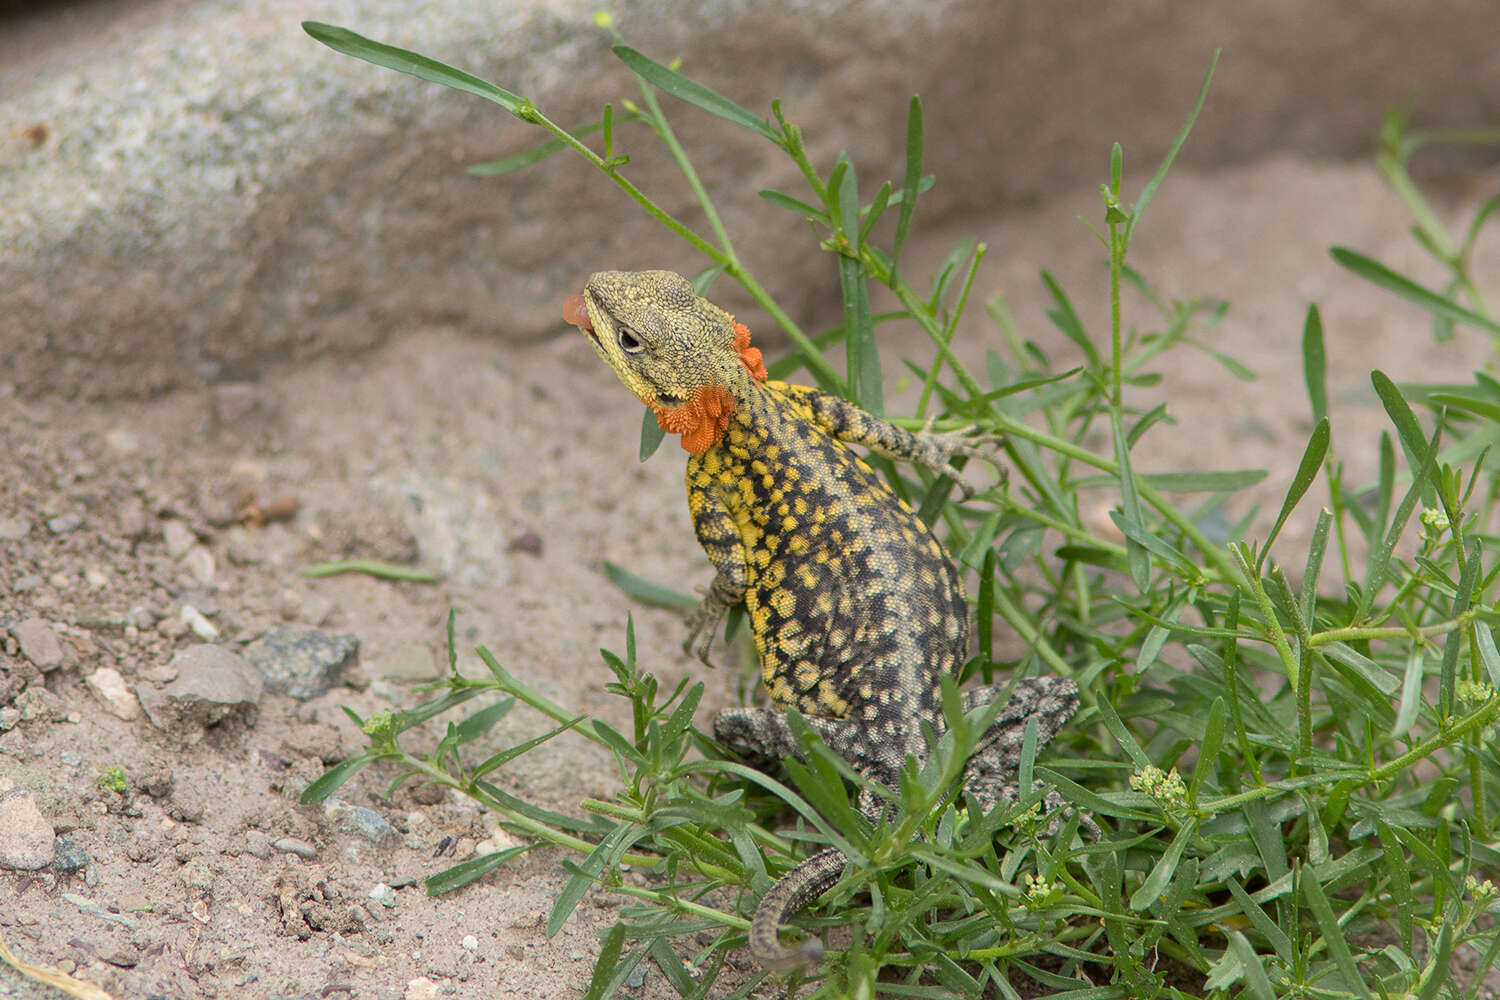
x: 69, y: 758
x: 370, y: 824
x: 96, y: 578
x: 9, y: 719
x: 69, y: 857
x: 258, y: 844
x: 25, y: 583
x: 39, y: 643
x: 13, y: 529
x: 64, y: 523
x: 201, y: 626
x: 200, y: 563
x: 301, y: 848
x: 108, y: 686
x: 383, y: 894
x: 178, y: 538
x: 470, y: 943
x: 636, y: 979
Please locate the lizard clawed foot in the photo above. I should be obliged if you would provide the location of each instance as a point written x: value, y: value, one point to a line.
x: 703, y: 624
x: 968, y: 441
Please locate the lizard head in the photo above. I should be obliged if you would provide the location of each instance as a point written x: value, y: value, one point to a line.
x: 678, y: 353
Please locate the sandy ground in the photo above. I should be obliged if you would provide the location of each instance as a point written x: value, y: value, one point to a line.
x: 513, y: 472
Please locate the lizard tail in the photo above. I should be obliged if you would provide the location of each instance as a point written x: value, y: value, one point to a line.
x: 804, y: 883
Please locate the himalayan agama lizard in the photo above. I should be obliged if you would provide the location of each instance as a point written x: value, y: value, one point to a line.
x: 855, y: 608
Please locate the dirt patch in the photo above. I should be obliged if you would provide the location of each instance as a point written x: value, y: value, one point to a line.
x: 511, y: 471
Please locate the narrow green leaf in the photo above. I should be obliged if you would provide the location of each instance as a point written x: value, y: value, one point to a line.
x: 604, y: 965
x: 1066, y: 320
x: 1257, y: 984
x: 1411, y: 692
x: 695, y: 93
x: 1263, y: 924
x: 1213, y: 736
x: 1315, y: 363
x: 1307, y: 471
x: 1136, y: 556
x: 404, y: 61
x: 1333, y: 934
x: 370, y: 567
x: 1412, y: 439
x: 652, y: 434
x: 1266, y: 835
x: 1378, y: 676
x: 875, y: 211
x: 1310, y: 573
x: 647, y: 592
x: 511, y: 753
x: 1149, y: 190
x: 1484, y: 639
x: 912, y: 179
x: 583, y: 876
x: 465, y: 872
x: 795, y: 205
x: 483, y: 720
x: 1154, y: 884
x: 974, y: 553
x: 328, y: 782
x: 1226, y: 481
x: 1383, y: 277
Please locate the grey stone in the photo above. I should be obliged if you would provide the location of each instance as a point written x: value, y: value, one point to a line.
x: 64, y: 523
x: 39, y: 643
x: 369, y: 824
x: 26, y: 838
x: 13, y: 529
x: 300, y: 661
x: 212, y: 685
x: 68, y: 856
x: 198, y: 244
x: 10, y: 718
x: 37, y: 704
x: 108, y: 686
x: 292, y: 845
x: 179, y: 538
x: 258, y: 844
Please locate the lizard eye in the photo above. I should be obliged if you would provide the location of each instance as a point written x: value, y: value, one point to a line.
x: 629, y: 342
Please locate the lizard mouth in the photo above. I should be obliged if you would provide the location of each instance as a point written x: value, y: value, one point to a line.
x: 576, y: 311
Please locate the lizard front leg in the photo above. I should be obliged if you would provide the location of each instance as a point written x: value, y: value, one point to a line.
x: 848, y: 422
x: 720, y: 538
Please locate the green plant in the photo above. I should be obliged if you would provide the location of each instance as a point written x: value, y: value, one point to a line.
x: 1296, y: 781
x: 113, y: 779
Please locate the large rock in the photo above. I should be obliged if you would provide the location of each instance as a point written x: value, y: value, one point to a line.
x: 190, y: 191
x: 302, y: 661
x: 27, y: 841
x: 212, y: 685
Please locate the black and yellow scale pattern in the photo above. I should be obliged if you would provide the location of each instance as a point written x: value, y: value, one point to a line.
x: 854, y: 606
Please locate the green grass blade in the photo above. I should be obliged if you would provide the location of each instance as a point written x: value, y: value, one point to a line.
x: 647, y: 592
x: 693, y: 92
x: 1154, y: 884
x: 328, y: 782
x: 465, y: 872
x: 795, y: 205
x: 1136, y: 556
x: 1315, y: 363
x: 1396, y: 407
x: 1144, y: 199
x: 1333, y: 934
x: 377, y: 568
x: 423, y: 68
x: 1225, y: 481
x: 1383, y: 277
x: 604, y: 967
x: 912, y: 179
x: 1307, y: 471
x: 1257, y: 984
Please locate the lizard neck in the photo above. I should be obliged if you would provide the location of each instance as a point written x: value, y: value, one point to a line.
x: 704, y: 418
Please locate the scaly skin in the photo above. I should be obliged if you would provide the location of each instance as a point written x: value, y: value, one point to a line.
x: 854, y: 607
